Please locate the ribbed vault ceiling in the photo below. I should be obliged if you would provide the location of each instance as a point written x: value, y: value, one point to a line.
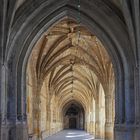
x: 116, y: 2
x: 72, y: 61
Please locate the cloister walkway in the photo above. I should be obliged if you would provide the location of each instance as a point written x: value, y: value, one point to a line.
x: 71, y: 135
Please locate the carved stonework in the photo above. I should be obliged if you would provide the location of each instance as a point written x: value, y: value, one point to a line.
x: 60, y: 53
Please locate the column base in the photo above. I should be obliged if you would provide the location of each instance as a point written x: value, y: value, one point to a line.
x: 124, y: 132
x: 92, y: 128
x: 137, y: 132
x: 88, y: 127
x: 109, y: 133
x: 97, y: 130
x: 14, y: 132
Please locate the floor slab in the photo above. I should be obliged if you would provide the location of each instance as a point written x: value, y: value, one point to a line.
x: 71, y: 135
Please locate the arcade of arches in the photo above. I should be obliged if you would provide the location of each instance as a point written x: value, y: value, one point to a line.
x: 71, y: 74
x: 69, y: 64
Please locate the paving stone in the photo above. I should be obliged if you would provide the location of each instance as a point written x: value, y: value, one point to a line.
x: 71, y: 134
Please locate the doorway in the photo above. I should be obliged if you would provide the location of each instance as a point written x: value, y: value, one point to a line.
x: 72, y: 123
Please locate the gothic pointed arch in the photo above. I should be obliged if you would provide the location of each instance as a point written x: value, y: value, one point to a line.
x: 103, y: 22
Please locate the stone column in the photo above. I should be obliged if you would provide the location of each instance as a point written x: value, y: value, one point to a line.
x: 97, y: 123
x: 88, y: 121
x: 13, y: 127
x: 92, y: 127
x: 3, y: 105
x: 137, y: 102
x: 92, y: 119
x: 109, y: 123
x: 36, y: 116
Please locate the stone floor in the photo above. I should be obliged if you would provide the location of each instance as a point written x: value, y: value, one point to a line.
x: 71, y: 135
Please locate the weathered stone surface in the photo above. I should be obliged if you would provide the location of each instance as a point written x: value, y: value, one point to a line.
x: 22, y: 24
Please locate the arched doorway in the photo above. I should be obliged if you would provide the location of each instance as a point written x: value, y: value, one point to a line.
x: 106, y: 32
x: 74, y: 116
